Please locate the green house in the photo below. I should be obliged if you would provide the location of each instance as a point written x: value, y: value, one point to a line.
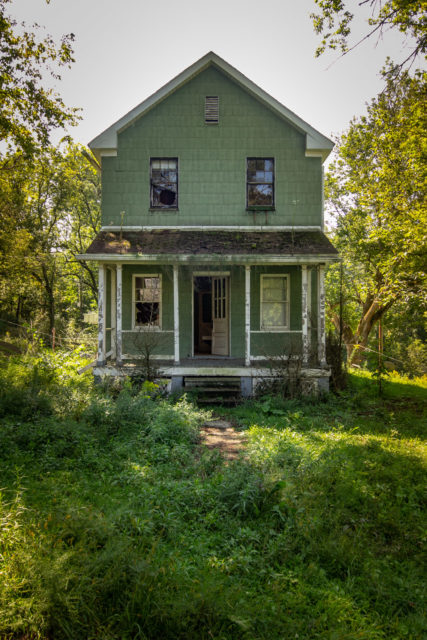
x: 212, y: 253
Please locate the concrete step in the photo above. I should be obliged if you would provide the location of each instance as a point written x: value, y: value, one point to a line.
x: 214, y: 390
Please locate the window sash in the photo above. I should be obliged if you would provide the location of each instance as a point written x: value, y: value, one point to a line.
x: 146, y: 301
x: 274, y: 302
x: 260, y: 182
x: 164, y: 183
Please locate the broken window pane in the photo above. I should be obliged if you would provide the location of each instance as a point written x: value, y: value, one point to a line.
x: 147, y: 314
x: 260, y: 182
x: 260, y: 194
x: 147, y: 297
x: 164, y: 183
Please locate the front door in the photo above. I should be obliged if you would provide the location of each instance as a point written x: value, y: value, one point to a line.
x: 220, y: 328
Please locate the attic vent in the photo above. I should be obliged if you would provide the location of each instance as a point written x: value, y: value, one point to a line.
x: 211, y: 109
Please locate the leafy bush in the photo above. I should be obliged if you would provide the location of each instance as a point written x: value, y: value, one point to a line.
x: 43, y: 384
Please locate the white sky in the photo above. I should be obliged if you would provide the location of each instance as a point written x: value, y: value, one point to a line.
x: 127, y: 49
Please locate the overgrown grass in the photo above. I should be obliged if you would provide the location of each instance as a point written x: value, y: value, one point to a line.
x: 115, y: 524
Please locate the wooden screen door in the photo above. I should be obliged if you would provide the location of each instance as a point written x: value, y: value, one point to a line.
x: 220, y: 328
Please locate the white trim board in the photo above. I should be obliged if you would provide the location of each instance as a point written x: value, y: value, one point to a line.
x: 128, y: 356
x: 253, y: 372
x: 268, y: 331
x: 210, y: 228
x: 191, y: 259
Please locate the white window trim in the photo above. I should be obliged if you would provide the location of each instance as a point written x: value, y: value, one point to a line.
x: 278, y: 328
x: 136, y: 327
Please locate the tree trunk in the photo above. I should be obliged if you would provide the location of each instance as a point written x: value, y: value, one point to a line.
x: 50, y: 298
x: 356, y: 341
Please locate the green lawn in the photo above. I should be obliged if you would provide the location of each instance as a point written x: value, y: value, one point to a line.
x: 115, y: 524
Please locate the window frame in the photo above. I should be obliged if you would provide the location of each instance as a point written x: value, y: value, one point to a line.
x: 154, y: 207
x: 287, y: 302
x: 147, y: 327
x: 261, y: 207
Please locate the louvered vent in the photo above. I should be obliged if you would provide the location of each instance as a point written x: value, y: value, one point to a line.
x: 212, y: 109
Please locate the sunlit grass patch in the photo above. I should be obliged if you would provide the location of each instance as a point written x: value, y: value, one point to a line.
x: 116, y: 523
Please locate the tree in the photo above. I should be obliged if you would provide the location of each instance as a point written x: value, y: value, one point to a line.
x: 50, y: 209
x: 407, y: 16
x: 375, y: 190
x: 29, y: 112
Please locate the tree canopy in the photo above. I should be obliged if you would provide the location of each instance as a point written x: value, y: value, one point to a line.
x: 49, y: 212
x: 375, y: 190
x: 29, y: 111
x: 334, y: 23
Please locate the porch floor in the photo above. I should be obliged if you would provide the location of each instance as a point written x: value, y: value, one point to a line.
x: 212, y: 361
x: 206, y: 366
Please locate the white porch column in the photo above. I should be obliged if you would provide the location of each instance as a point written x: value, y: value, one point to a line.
x: 119, y: 315
x: 101, y: 315
x: 309, y: 309
x: 175, y: 314
x: 247, y: 315
x: 304, y: 292
x: 113, y: 312
x: 321, y: 333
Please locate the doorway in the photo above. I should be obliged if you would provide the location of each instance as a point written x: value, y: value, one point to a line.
x: 211, y: 315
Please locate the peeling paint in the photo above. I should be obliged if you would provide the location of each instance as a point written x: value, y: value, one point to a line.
x: 119, y: 314
x: 101, y: 315
x: 247, y: 315
x: 113, y: 313
x: 176, y: 313
x: 305, y: 341
x: 321, y: 317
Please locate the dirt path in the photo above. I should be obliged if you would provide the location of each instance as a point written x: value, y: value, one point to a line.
x: 220, y: 434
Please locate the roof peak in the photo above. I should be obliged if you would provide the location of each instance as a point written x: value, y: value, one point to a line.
x: 316, y: 142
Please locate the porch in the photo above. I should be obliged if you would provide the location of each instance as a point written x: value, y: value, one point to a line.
x: 211, y: 303
x: 245, y: 324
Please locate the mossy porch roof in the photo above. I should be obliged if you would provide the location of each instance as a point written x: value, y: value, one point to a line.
x: 167, y: 241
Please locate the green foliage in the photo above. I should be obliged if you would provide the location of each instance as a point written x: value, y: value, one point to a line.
x: 333, y: 23
x: 116, y: 523
x: 50, y: 210
x: 376, y: 191
x: 28, y: 111
x: 45, y: 384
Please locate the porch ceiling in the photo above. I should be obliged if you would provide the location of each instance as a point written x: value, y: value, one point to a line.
x: 245, y: 246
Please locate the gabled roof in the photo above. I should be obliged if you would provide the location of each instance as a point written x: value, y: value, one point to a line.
x: 316, y: 143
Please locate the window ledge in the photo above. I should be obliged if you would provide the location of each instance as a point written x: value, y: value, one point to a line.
x: 261, y: 208
x: 165, y: 209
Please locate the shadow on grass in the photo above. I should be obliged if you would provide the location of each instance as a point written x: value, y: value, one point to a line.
x: 122, y: 532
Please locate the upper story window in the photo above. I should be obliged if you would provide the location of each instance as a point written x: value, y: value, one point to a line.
x: 147, y: 299
x: 260, y: 183
x: 164, y: 183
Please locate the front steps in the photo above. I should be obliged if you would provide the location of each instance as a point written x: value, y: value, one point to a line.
x: 213, y: 389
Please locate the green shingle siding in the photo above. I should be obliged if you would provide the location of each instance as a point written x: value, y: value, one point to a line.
x: 212, y: 160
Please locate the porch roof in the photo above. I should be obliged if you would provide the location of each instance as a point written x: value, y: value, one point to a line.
x: 165, y: 243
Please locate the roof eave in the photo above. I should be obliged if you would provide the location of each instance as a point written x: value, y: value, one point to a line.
x: 242, y: 259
